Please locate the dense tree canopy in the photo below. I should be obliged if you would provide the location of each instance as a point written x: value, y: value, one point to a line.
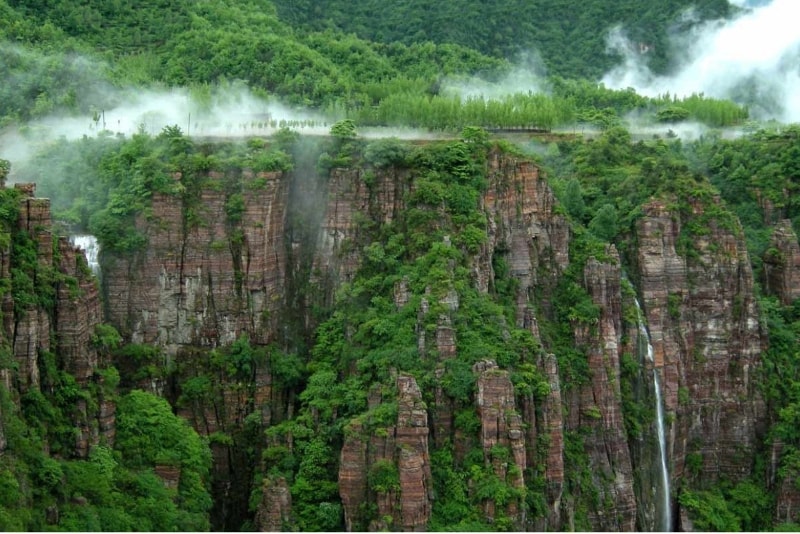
x: 359, y: 65
x: 568, y: 34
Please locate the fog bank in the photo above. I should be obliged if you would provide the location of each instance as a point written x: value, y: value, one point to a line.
x: 751, y: 59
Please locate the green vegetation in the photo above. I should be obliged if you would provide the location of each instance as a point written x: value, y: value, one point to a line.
x: 569, y: 34
x: 331, y: 370
x: 744, y: 507
x: 209, y: 45
x: 364, y: 338
x: 113, y: 489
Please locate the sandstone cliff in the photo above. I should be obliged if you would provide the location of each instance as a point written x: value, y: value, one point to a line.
x: 390, y: 468
x: 782, y: 263
x: 597, y: 407
x: 703, y: 323
x: 199, y: 286
x: 49, y: 325
x: 203, y: 279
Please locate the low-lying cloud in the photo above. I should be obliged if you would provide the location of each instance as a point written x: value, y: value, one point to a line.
x: 526, y: 76
x: 231, y: 111
x: 751, y: 59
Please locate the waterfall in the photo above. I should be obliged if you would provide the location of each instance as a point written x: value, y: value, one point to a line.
x: 90, y: 248
x: 664, y: 509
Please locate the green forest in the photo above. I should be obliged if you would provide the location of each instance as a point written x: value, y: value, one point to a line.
x: 333, y: 349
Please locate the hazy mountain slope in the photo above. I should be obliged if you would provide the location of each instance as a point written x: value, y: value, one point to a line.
x: 569, y: 35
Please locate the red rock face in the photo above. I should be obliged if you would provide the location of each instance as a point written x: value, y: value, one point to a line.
x: 347, y: 196
x: 274, y: 511
x: 65, y: 328
x: 782, y: 264
x: 704, y: 328
x: 353, y: 475
x: 501, y: 437
x: 205, y: 282
x: 520, y: 208
x: 169, y: 474
x: 553, y: 427
x: 597, y: 408
x: 191, y: 290
x: 405, y: 446
x: 78, y: 311
x: 416, y: 483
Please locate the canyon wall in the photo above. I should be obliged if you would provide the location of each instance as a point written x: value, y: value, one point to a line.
x: 703, y: 323
x: 203, y: 280
x: 49, y: 320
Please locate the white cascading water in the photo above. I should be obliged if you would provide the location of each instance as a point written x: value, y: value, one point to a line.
x: 664, y: 511
x: 90, y: 247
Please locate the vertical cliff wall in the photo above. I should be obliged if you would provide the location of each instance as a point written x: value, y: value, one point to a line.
x: 207, y: 273
x: 703, y: 323
x: 555, y: 444
x: 50, y: 308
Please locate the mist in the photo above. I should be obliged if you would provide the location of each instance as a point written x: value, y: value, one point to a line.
x: 751, y: 59
x: 526, y: 75
x: 225, y: 111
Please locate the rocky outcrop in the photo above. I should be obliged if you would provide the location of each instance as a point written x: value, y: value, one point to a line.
x: 524, y: 227
x: 390, y: 468
x: 54, y: 318
x: 274, y: 510
x: 782, y: 263
x: 596, y: 407
x: 29, y: 329
x: 199, y: 286
x: 703, y: 323
x: 502, y: 439
x: 553, y: 432
x: 77, y: 312
x: 203, y: 278
x: 416, y: 482
x: 353, y: 475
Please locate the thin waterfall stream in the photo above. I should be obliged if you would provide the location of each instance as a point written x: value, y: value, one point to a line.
x: 664, y: 509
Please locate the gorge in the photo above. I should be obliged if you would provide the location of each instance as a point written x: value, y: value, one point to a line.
x: 413, y: 336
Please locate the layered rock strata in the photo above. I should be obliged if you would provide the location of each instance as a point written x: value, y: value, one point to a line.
x: 62, y: 330
x: 501, y: 438
x: 186, y: 290
x: 703, y: 322
x: 782, y: 264
x: 202, y: 279
x: 596, y: 407
x: 274, y: 510
x: 404, y: 502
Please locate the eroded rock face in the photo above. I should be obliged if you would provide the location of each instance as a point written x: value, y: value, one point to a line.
x: 416, y: 482
x: 187, y: 292
x: 523, y: 227
x: 703, y: 323
x: 782, y: 264
x: 78, y: 311
x: 203, y: 284
x: 274, y: 510
x: 64, y: 328
x: 353, y: 475
x: 502, y: 439
x: 597, y: 407
x: 553, y: 427
x: 402, y: 448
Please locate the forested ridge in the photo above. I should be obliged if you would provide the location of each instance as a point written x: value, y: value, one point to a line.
x: 392, y: 299
x: 569, y: 35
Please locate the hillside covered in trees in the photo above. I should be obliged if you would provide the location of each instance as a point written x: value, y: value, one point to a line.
x: 569, y: 35
x: 551, y: 305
